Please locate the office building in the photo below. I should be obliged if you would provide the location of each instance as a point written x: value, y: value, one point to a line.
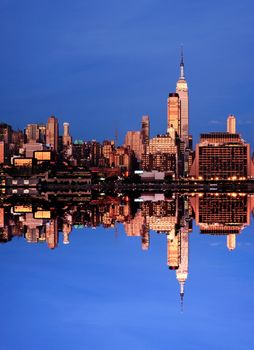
x: 133, y: 140
x: 35, y: 133
x: 174, y: 114
x: 52, y: 133
x: 222, y: 155
x: 145, y: 129
x: 5, y: 133
x: 231, y: 124
x: 161, y: 155
x: 66, y: 134
x: 222, y: 214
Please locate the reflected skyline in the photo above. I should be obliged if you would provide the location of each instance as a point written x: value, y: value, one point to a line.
x: 53, y: 222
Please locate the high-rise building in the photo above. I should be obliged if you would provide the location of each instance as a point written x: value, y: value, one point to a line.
x: 221, y: 155
x: 66, y: 134
x: 161, y: 154
x: 36, y: 133
x: 145, y: 129
x: 122, y: 157
x: 173, y: 250
x: 174, y: 114
x: 107, y: 148
x: 5, y: 133
x: 32, y: 132
x: 231, y: 124
x: 2, y: 152
x: 182, y: 91
x: 222, y: 214
x: 133, y: 140
x: 52, y: 133
x: 95, y: 153
x: 182, y: 271
x: 52, y: 233
x: 231, y: 241
x: 137, y: 227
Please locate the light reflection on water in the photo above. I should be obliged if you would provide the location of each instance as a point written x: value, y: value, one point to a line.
x: 124, y: 274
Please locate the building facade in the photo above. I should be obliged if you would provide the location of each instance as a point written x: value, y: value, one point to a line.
x: 52, y: 133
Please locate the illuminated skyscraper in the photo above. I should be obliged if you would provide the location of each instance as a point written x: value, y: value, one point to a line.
x: 182, y: 271
x: 231, y: 124
x: 66, y: 134
x: 222, y: 214
x: 182, y: 90
x: 66, y: 232
x: 52, y: 233
x: 2, y: 152
x: 231, y: 241
x: 32, y: 132
x: 52, y: 133
x: 173, y: 249
x: 35, y: 133
x: 134, y: 141
x: 161, y: 155
x: 5, y: 133
x: 222, y: 155
x: 174, y: 113
x: 145, y: 129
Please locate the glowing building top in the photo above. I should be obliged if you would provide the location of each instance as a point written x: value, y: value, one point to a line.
x: 182, y: 91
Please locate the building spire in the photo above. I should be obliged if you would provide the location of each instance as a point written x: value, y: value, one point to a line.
x: 182, y: 64
x: 181, y: 294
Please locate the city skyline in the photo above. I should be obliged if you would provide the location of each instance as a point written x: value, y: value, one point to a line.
x: 181, y: 85
x: 126, y: 174
x: 218, y: 155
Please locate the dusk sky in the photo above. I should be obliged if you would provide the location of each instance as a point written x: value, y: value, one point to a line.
x: 101, y: 65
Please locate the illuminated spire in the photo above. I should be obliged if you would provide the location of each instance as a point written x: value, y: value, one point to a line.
x: 182, y: 65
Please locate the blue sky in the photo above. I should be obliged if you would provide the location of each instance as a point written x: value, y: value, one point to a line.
x: 102, y: 64
x: 102, y: 292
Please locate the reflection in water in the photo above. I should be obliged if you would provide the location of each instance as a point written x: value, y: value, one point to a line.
x: 215, y: 214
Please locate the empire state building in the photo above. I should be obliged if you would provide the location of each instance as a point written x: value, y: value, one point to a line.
x: 182, y: 91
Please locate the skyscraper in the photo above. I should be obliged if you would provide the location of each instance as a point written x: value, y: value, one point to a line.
x: 52, y: 133
x: 35, y: 133
x: 161, y: 155
x: 66, y: 134
x: 174, y: 113
x: 222, y: 155
x: 145, y: 129
x: 182, y: 90
x: 231, y: 124
x: 182, y: 271
x: 133, y: 140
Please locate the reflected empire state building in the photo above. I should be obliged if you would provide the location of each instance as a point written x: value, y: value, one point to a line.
x: 40, y: 220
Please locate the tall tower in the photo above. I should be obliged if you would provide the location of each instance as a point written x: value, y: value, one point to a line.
x: 52, y: 133
x: 182, y: 272
x: 66, y: 134
x: 231, y: 241
x: 231, y: 124
x: 145, y: 129
x: 173, y: 249
x: 182, y: 90
x: 174, y: 113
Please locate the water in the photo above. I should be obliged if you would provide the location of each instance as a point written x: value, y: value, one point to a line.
x: 102, y: 290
